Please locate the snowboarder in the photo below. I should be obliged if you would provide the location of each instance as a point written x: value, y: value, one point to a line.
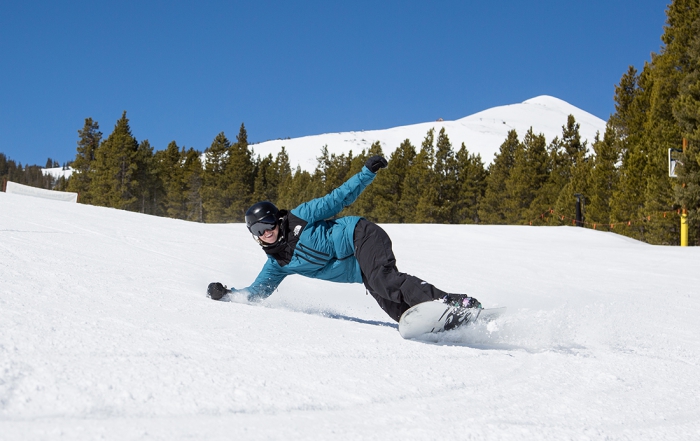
x: 308, y: 241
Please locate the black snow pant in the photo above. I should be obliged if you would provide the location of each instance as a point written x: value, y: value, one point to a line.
x: 394, y: 291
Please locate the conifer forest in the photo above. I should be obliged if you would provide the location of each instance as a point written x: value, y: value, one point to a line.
x: 623, y: 175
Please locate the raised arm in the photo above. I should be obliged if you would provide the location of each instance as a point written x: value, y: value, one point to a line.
x: 334, y: 202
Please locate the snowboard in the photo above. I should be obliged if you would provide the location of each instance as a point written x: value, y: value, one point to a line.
x: 436, y: 316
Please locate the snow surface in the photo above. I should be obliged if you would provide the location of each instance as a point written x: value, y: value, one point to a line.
x: 482, y: 132
x: 105, y: 333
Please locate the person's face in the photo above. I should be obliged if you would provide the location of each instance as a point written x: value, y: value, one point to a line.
x: 270, y: 236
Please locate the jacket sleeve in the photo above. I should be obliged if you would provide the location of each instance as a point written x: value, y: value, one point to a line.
x: 266, y: 283
x: 334, y: 202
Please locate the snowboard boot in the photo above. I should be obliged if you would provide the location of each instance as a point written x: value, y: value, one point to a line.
x: 461, y: 300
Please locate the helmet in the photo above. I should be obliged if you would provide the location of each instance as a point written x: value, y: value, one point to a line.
x: 261, y: 217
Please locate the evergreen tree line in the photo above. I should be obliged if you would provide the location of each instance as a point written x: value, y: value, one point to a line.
x: 431, y: 183
x: 654, y: 110
x: 27, y: 175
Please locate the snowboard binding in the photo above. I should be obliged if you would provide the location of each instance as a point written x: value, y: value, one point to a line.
x: 461, y: 301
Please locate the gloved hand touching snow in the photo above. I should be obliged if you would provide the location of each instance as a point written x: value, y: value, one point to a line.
x: 216, y: 290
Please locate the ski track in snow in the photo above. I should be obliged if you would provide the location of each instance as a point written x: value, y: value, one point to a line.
x: 105, y: 333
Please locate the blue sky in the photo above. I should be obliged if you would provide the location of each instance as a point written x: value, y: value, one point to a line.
x: 185, y: 71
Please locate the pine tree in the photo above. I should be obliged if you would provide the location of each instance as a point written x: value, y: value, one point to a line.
x: 603, y: 180
x: 240, y: 176
x: 146, y: 178
x: 214, y: 184
x: 686, y: 106
x: 471, y: 182
x: 192, y: 185
x: 419, y: 198
x: 575, y: 170
x: 527, y: 176
x: 113, y: 178
x: 283, y: 173
x: 632, y: 98
x: 628, y: 119
x: 89, y: 138
x: 574, y: 149
x: 492, y: 209
x: 284, y: 170
x: 388, y: 186
x: 171, y: 174
x: 445, y: 181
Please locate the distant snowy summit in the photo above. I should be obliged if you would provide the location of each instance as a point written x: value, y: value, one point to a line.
x: 58, y: 172
x: 482, y: 132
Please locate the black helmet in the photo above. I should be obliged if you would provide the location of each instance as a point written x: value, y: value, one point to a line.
x: 261, y: 217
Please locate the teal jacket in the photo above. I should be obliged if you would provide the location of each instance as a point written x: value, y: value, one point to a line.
x: 312, y: 244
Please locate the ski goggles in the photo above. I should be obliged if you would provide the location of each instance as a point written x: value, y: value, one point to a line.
x: 264, y: 224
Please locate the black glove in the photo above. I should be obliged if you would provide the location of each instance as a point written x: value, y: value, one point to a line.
x: 375, y: 163
x: 216, y: 290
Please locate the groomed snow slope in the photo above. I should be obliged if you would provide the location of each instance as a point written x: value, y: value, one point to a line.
x: 105, y: 333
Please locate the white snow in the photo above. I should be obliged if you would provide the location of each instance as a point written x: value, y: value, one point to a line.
x: 482, y: 132
x: 58, y: 172
x: 105, y: 333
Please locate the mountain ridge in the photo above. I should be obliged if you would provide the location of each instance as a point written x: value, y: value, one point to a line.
x: 482, y: 132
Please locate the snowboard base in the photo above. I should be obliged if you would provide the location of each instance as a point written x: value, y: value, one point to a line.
x: 436, y: 316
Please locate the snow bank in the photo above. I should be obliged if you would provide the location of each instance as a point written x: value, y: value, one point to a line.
x: 105, y: 332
